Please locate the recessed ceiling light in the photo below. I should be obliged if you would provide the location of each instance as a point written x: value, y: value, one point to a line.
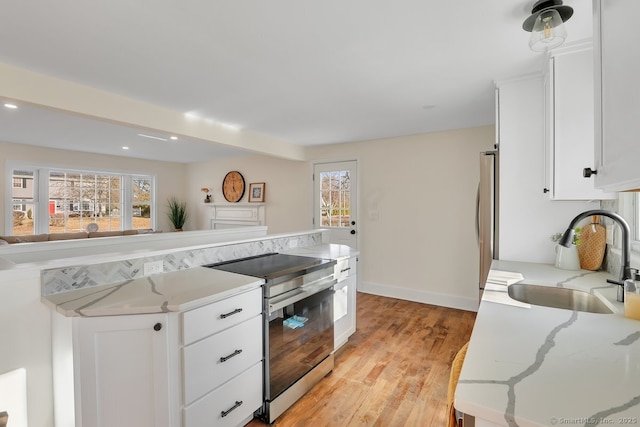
x: 230, y: 126
x: 12, y: 106
x: 152, y: 137
x: 125, y: 148
x: 174, y: 138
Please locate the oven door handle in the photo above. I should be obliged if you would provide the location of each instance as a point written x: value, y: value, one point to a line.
x: 300, y: 294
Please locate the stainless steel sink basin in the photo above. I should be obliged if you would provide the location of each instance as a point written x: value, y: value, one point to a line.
x: 548, y: 296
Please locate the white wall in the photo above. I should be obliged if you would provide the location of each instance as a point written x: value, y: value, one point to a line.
x: 25, y: 337
x: 171, y: 177
x: 422, y: 244
x: 287, y: 189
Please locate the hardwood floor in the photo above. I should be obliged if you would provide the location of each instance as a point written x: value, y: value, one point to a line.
x: 394, y: 371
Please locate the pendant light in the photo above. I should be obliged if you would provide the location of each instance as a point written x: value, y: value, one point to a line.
x: 546, y: 24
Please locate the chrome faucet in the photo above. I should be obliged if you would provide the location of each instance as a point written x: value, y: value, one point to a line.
x: 625, y: 271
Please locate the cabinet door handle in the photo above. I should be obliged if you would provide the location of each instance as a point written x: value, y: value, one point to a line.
x: 228, y: 411
x: 157, y: 326
x: 231, y: 313
x: 587, y: 172
x: 225, y: 358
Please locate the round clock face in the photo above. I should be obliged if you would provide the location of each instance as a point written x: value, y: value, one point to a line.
x: 233, y: 186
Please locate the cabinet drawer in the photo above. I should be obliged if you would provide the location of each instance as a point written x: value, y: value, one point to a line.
x: 208, y: 320
x: 217, y: 359
x: 238, y: 399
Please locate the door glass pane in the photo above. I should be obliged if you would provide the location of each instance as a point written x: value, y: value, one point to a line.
x: 22, y: 199
x: 335, y: 195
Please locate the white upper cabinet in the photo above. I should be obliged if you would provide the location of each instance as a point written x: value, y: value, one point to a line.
x: 569, y: 135
x: 617, y: 73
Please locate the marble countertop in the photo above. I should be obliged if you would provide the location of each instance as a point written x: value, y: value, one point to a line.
x: 173, y: 291
x: 530, y: 365
x: 329, y: 250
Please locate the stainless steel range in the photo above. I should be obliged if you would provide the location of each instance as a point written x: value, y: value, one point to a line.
x: 298, y: 324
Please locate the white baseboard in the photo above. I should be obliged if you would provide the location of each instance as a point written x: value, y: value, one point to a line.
x: 415, y: 295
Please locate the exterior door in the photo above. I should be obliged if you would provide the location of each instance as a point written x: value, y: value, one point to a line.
x: 335, y: 201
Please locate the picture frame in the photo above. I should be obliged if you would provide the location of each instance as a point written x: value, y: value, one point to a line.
x: 256, y: 191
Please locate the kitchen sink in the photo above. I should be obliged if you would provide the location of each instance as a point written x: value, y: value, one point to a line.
x: 551, y: 296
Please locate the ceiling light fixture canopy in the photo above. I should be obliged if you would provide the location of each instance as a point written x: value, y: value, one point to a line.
x: 546, y: 24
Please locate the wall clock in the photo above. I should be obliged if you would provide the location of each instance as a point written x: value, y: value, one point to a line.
x: 233, y: 186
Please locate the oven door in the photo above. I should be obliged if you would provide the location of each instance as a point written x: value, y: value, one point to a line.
x: 299, y: 335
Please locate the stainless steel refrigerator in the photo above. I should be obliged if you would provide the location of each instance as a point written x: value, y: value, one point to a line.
x: 487, y: 213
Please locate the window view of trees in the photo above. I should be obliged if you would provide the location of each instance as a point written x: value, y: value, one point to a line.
x: 335, y: 193
x: 76, y: 199
x: 141, y: 212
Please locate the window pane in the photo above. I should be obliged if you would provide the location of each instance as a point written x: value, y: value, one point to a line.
x: 22, y: 201
x: 141, y: 212
x: 335, y: 193
x: 81, y: 199
x: 76, y: 199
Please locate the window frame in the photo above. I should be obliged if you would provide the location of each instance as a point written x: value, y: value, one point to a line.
x: 41, y: 190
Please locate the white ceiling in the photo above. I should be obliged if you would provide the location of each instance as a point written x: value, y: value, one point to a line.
x: 306, y: 72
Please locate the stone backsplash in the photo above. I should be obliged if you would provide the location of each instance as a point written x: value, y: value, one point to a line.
x: 65, y: 279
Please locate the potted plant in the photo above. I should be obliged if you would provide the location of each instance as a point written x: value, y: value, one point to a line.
x: 177, y: 213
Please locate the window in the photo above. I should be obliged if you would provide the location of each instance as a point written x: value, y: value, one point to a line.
x: 70, y: 200
x: 141, y: 202
x: 335, y: 198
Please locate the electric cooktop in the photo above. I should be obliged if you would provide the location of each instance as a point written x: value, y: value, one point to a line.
x: 273, y: 266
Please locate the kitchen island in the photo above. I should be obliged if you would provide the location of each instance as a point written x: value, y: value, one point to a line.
x: 532, y: 366
x: 31, y: 271
x: 195, y: 329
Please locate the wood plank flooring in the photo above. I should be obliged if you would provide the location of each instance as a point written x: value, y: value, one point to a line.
x: 393, y: 372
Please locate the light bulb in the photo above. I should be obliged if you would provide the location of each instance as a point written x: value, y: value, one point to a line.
x: 548, y: 31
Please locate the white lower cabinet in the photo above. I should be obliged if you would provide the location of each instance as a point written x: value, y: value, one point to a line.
x: 218, y: 358
x: 202, y: 367
x: 222, y: 361
x: 344, y: 301
x: 122, y: 374
x: 230, y: 404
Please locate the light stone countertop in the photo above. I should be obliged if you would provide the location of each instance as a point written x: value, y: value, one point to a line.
x: 329, y: 250
x: 174, y: 291
x: 530, y: 365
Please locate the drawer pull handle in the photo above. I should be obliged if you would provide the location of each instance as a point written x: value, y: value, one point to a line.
x: 231, y: 313
x: 345, y: 269
x: 227, y: 412
x: 225, y: 358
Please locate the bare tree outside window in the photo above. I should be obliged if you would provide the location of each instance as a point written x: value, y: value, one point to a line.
x: 335, y: 189
x: 141, y: 202
x: 76, y: 199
